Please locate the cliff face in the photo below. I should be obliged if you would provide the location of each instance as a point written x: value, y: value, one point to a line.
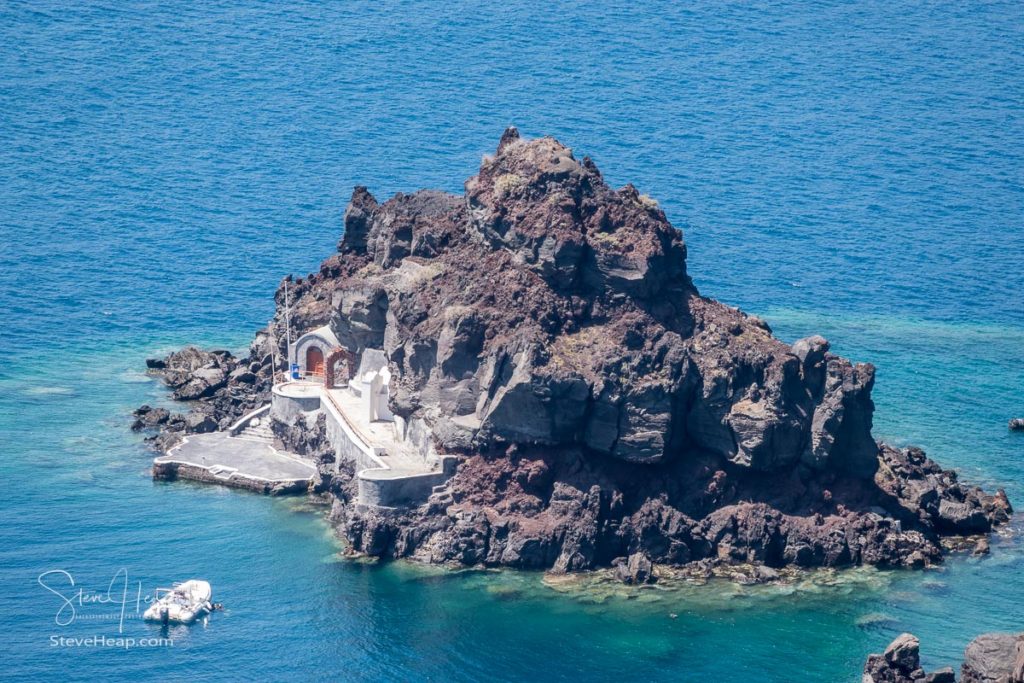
x: 544, y: 326
x: 546, y: 308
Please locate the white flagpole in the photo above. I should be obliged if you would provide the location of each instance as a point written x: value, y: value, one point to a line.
x: 273, y: 341
x: 288, y: 331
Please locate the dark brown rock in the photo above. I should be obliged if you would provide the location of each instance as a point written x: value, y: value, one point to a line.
x: 636, y: 570
x: 220, y: 388
x: 545, y: 327
x: 149, y: 418
x: 901, y: 663
x: 197, y: 423
x: 990, y: 658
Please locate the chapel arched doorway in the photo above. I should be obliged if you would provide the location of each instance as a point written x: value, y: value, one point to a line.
x: 315, y: 361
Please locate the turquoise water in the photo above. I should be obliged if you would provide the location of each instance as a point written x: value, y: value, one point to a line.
x: 850, y: 171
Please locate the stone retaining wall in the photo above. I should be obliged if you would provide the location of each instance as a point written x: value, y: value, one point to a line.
x: 375, y: 486
x: 169, y: 471
x: 348, y: 446
x: 288, y: 408
x: 398, y: 492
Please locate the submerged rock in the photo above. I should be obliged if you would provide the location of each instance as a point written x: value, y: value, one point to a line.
x: 875, y: 620
x: 544, y: 328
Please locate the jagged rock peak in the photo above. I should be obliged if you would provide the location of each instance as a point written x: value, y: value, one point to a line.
x: 560, y: 218
x: 901, y: 663
x: 357, y: 220
x: 510, y: 135
x: 555, y: 215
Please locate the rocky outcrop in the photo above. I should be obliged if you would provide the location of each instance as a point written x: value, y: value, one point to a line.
x: 147, y: 417
x: 544, y: 328
x: 1017, y: 424
x: 193, y: 373
x: 990, y: 658
x: 575, y: 511
x: 636, y: 569
x: 595, y: 335
x: 218, y: 387
x: 901, y: 663
x: 994, y: 658
x: 935, y: 497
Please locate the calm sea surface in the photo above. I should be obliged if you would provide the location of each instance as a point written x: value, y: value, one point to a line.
x: 852, y: 171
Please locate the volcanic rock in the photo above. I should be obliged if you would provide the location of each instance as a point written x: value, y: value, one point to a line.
x: 149, y: 418
x: 197, y: 423
x: 989, y: 658
x: 994, y: 658
x: 637, y: 569
x: 543, y: 326
x: 901, y: 663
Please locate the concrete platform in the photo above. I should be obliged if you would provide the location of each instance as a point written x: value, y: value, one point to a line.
x: 380, y: 435
x: 391, y: 470
x: 220, y: 458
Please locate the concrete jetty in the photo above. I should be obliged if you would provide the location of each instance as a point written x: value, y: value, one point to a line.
x: 241, y: 457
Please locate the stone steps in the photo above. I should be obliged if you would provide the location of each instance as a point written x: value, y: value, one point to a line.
x: 257, y: 432
x: 223, y: 472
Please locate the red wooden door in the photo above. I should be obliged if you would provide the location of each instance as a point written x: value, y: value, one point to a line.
x: 315, y: 361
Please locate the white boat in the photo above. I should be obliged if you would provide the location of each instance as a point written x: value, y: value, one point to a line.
x: 182, y: 604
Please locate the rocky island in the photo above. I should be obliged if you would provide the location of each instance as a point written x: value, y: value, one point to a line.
x: 576, y: 402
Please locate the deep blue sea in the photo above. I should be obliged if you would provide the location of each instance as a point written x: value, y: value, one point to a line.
x: 854, y: 170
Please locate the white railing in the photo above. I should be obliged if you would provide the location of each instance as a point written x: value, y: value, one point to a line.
x: 244, y: 420
x: 356, y: 435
